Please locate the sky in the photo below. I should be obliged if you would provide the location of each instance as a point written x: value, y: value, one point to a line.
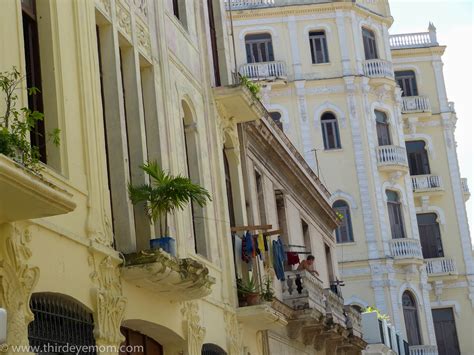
x: 453, y: 20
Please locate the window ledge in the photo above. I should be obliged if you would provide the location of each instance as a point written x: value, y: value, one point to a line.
x: 321, y: 64
x: 333, y: 150
x: 347, y: 243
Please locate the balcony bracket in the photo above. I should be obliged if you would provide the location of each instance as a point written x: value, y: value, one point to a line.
x: 179, y: 279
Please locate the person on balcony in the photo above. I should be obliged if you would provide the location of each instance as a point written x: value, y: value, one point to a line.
x: 308, y: 265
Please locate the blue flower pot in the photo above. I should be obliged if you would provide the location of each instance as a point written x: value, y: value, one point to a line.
x: 168, y: 244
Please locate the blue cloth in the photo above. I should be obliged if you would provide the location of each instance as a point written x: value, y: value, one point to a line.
x: 278, y: 259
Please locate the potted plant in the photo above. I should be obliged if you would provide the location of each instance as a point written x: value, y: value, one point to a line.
x: 165, y: 194
x: 267, y: 292
x: 247, y: 290
x: 16, y: 124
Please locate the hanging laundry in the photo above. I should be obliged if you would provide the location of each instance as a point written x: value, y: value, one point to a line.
x: 247, y: 248
x: 278, y: 259
x: 260, y: 242
x: 292, y: 257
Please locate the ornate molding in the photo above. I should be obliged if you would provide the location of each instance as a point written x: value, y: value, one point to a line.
x: 234, y: 333
x: 192, y: 327
x: 17, y: 280
x: 110, y: 304
x: 123, y: 18
x: 143, y: 38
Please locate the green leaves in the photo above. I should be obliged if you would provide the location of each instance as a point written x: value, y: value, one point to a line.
x: 253, y: 87
x: 166, y: 193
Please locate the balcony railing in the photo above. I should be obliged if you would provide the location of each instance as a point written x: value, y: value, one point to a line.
x: 415, y: 104
x: 334, y: 307
x: 390, y: 155
x: 423, y: 350
x: 465, y: 186
x: 411, y: 40
x: 378, y: 68
x: 440, y: 266
x: 302, y: 290
x: 248, y: 4
x: 264, y: 70
x: 404, y: 248
x: 422, y: 183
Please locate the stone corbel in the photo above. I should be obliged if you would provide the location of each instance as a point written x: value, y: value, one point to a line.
x: 110, y: 303
x: 412, y: 123
x: 17, y: 281
x: 192, y: 328
x: 438, y: 289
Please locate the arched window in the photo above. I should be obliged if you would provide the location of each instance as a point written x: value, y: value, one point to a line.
x: 410, y: 313
x: 319, y: 47
x: 276, y: 117
x: 406, y: 79
x: 142, y: 344
x: 430, y: 235
x: 212, y: 349
x: 330, y: 131
x: 59, y: 320
x: 344, y: 232
x: 418, y: 158
x: 370, y: 45
x: 395, y: 215
x: 383, y: 130
x: 259, y: 48
x: 192, y: 163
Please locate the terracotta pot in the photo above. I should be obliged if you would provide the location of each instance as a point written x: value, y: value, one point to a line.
x: 253, y: 299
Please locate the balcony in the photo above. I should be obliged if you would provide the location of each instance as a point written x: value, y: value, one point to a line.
x: 269, y: 71
x: 265, y: 316
x: 378, y: 68
x: 381, y: 336
x: 248, y: 4
x: 406, y: 250
x: 423, y: 350
x: 427, y: 183
x: 27, y: 195
x: 412, y: 104
x: 392, y: 158
x: 441, y: 267
x: 412, y: 40
x: 302, y: 290
x: 465, y: 189
x: 237, y: 104
x: 159, y: 272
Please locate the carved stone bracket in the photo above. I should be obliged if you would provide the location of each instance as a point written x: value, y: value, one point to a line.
x: 192, y: 327
x: 110, y: 304
x: 17, y: 280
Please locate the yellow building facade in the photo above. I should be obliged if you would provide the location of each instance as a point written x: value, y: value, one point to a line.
x: 123, y: 82
x: 369, y: 112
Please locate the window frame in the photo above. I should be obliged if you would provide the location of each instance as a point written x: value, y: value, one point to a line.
x: 418, y: 161
x: 431, y: 241
x: 395, y: 212
x: 345, y: 210
x: 406, y: 79
x: 332, y: 123
x: 383, y: 128
x: 316, y: 36
x: 369, y: 40
x: 253, y: 45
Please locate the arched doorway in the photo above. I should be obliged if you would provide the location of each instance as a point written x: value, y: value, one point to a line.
x: 410, y: 313
x: 60, y: 321
x: 212, y: 349
x: 138, y: 343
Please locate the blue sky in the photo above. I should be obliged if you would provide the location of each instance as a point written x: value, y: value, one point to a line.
x: 453, y: 20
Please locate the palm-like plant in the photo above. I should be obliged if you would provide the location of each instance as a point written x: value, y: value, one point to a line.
x: 165, y: 194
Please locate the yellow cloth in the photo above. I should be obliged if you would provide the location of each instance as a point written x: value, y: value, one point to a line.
x: 260, y: 243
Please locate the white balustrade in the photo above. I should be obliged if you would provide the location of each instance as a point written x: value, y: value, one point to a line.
x: 438, y: 266
x: 423, y: 350
x: 378, y: 68
x: 426, y: 182
x: 247, y: 4
x: 302, y: 290
x: 411, y: 40
x: 391, y: 155
x: 263, y: 70
x: 415, y: 104
x: 464, y: 185
x: 405, y: 248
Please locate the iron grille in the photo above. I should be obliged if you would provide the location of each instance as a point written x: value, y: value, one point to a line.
x: 60, y: 322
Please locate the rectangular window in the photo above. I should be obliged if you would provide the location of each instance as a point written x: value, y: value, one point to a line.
x: 407, y: 82
x: 417, y: 158
x: 319, y: 48
x: 383, y: 130
x: 370, y: 46
x: 259, y: 48
x: 445, y: 330
x: 213, y: 35
x: 33, y: 73
x: 395, y: 215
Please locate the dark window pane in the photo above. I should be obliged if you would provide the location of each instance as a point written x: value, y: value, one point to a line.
x: 430, y: 235
x: 417, y: 158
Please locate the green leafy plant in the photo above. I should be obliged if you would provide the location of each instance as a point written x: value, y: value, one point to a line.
x: 246, y: 287
x: 267, y: 292
x: 165, y: 194
x: 380, y: 315
x: 17, y: 123
x: 253, y: 87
